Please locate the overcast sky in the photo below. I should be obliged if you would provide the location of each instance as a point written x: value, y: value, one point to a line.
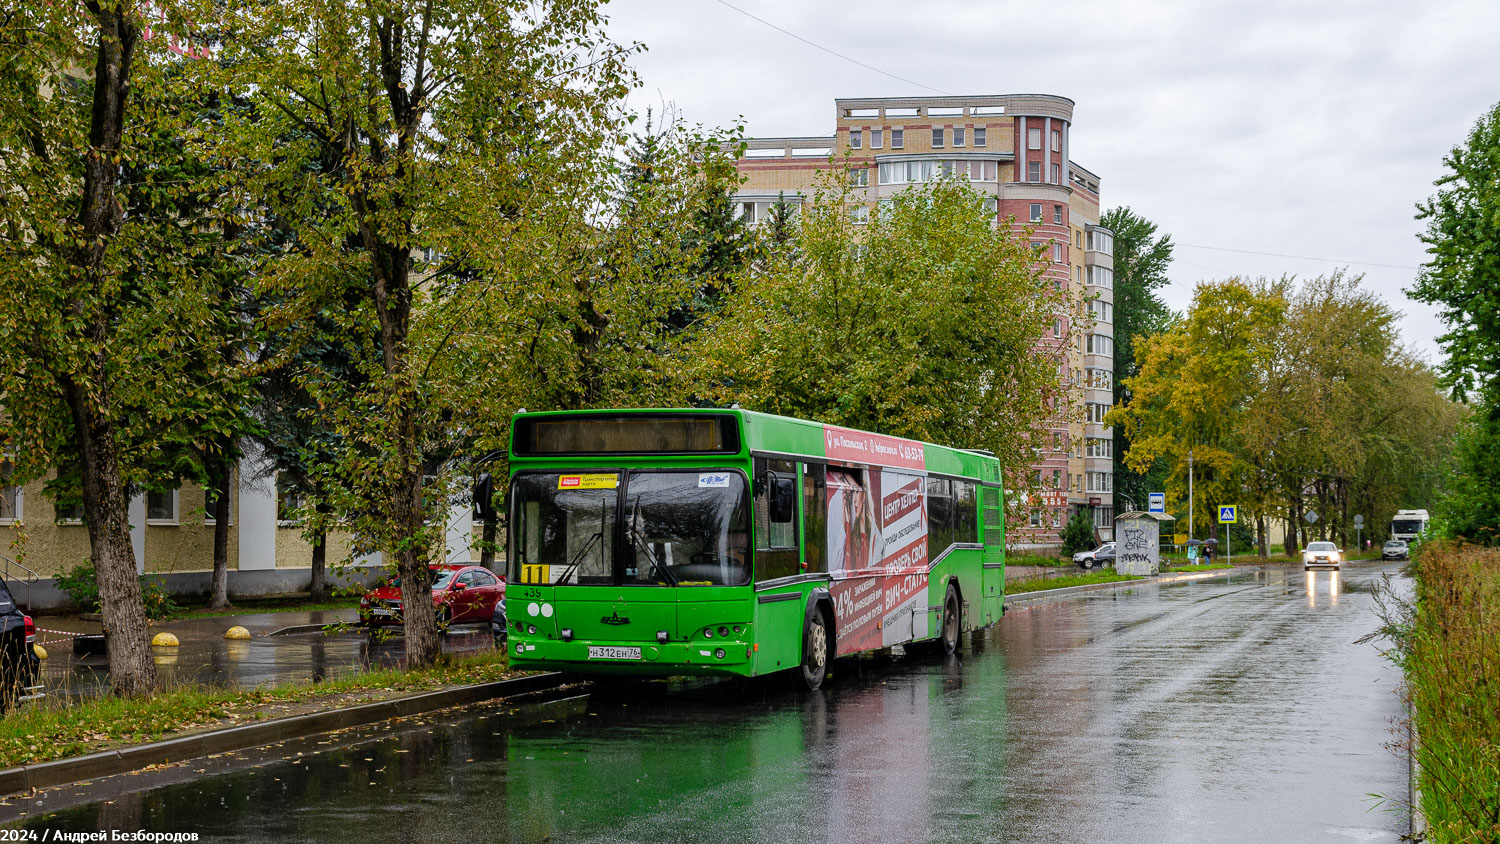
x: 1301, y: 128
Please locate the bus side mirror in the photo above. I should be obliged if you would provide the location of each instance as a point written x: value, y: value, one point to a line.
x: 783, y: 500
x: 484, y: 490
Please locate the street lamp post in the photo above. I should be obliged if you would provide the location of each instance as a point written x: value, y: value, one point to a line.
x: 1191, y: 534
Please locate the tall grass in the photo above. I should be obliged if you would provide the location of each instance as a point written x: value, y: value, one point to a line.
x: 1449, y: 643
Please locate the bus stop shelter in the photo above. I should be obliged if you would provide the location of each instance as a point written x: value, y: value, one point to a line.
x: 1138, y: 542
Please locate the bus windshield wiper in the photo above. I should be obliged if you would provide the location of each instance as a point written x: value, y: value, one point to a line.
x: 638, y: 539
x: 598, y: 537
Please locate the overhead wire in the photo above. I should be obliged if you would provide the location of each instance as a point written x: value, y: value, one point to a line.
x: 829, y: 51
x: 1297, y: 257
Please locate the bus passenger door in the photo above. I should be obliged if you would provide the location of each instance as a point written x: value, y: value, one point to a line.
x: 992, y: 534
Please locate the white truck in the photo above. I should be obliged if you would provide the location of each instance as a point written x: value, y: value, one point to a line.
x: 1408, y: 524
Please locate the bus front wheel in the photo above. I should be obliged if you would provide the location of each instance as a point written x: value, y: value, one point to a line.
x: 814, y: 651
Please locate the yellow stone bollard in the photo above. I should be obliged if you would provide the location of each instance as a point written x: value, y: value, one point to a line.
x: 41, y: 652
x: 236, y: 632
x: 164, y: 640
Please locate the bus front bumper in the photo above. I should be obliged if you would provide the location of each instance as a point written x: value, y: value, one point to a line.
x: 718, y: 656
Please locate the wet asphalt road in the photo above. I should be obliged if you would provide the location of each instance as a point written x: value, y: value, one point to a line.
x: 1231, y: 709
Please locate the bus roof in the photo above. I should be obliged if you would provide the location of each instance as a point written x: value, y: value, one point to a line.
x: 764, y: 433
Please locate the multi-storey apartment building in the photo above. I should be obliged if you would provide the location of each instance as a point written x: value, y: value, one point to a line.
x: 1013, y: 149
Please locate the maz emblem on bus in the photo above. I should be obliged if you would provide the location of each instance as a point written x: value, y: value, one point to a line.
x: 614, y: 618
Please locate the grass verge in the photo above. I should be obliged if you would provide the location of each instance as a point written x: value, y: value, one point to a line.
x: 295, y: 604
x: 1040, y: 584
x: 1448, y: 642
x: 58, y: 730
x: 1182, y: 567
x: 1022, y: 559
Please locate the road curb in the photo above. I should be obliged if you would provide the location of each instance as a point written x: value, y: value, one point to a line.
x: 123, y: 760
x: 1175, y: 577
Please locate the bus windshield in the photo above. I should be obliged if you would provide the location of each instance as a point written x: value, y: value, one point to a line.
x: 1412, y: 526
x: 676, y: 528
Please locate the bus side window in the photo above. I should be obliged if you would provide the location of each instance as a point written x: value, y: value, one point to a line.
x: 815, y: 516
x: 966, y: 520
x: 939, y: 517
x: 776, y: 552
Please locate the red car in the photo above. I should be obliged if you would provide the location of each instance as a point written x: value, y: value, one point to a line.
x: 460, y: 593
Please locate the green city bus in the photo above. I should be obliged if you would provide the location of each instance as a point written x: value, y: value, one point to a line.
x: 727, y: 542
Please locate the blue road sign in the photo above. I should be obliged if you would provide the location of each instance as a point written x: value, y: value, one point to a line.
x: 1156, y: 502
x: 1227, y: 514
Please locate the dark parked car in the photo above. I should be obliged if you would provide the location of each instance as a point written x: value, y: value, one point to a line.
x: 497, y: 621
x: 1396, y: 549
x: 19, y: 665
x: 460, y: 593
x: 1104, y: 555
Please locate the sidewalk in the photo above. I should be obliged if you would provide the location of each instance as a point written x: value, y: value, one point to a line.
x: 205, y: 657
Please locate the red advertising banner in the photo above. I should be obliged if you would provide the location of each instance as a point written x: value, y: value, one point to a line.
x: 877, y: 449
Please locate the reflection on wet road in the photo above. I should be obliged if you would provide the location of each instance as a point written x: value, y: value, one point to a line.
x: 1230, y: 709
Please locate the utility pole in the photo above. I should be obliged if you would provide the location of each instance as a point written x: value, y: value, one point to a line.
x: 1191, y: 535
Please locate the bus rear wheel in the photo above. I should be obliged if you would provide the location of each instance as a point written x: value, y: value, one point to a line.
x: 814, y: 651
x: 950, y: 621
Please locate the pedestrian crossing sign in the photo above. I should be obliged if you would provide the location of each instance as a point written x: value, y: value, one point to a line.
x: 1227, y: 514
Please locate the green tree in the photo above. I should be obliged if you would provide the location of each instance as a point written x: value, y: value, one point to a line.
x: 1462, y: 276
x: 1078, y: 534
x: 447, y: 119
x: 923, y: 323
x: 104, y: 315
x: 1289, y: 398
x: 1141, y: 259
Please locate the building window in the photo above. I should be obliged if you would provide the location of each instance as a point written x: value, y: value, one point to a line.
x: 1101, y: 277
x: 1057, y: 479
x: 1056, y: 519
x: 958, y: 137
x: 1099, y: 481
x: 899, y: 172
x: 1101, y: 379
x: 859, y: 178
x: 1096, y: 412
x: 1036, y: 212
x: 937, y: 138
x: 991, y: 205
x: 1057, y: 253
x: 1102, y: 311
x: 898, y: 138
x: 877, y: 138
x: 1078, y: 236
x: 1098, y: 344
x: 1033, y: 138
x: 1104, y: 517
x: 12, y: 498
x: 1033, y: 171
x: 1056, y: 174
x: 859, y: 215
x: 1078, y: 274
x: 1036, y: 518
x: 288, y: 502
x: 1056, y: 141
x: 161, y: 507
x: 1057, y: 214
x: 211, y: 506
x: 856, y: 138
x: 1056, y: 327
x: 747, y: 212
x: 70, y: 514
x: 978, y: 136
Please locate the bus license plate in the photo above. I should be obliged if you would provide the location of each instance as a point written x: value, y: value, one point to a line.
x: 607, y: 652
